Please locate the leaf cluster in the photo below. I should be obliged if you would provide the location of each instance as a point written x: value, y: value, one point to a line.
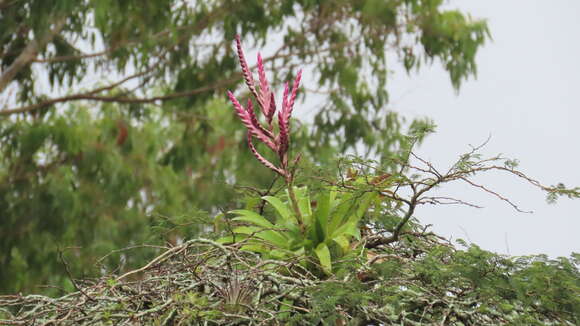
x: 325, y: 238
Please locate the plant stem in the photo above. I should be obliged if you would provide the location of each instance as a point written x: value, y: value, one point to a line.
x: 294, y: 202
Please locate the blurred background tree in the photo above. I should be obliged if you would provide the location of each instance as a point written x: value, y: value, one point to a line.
x: 115, y: 131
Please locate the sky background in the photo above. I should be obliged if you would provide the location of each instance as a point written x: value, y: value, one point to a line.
x: 527, y: 98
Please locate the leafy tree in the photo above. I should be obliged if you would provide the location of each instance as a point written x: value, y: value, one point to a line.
x: 354, y: 256
x: 114, y: 120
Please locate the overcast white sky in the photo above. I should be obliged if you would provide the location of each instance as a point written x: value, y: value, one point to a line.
x: 527, y: 97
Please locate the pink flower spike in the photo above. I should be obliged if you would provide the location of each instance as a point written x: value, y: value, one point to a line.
x: 284, y: 100
x: 248, y: 78
x: 283, y: 123
x: 272, y: 110
x: 262, y: 160
x: 247, y: 120
x: 294, y: 91
x: 283, y: 141
x: 269, y: 142
x: 287, y: 109
x: 264, y: 87
x: 241, y: 112
x: 278, y: 143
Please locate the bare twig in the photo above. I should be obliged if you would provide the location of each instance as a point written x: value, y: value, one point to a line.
x: 70, y: 276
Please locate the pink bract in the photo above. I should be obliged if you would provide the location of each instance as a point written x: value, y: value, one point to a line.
x: 280, y: 143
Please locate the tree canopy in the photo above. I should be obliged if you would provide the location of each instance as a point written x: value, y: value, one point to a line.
x: 130, y: 186
x: 114, y: 128
x: 392, y: 270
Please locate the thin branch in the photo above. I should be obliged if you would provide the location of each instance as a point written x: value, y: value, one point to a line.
x: 118, y: 99
x: 90, y: 95
x: 70, y: 276
x: 196, y: 28
x: 443, y: 200
x: 494, y: 194
x: 373, y: 243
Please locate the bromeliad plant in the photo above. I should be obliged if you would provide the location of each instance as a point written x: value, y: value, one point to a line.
x: 279, y: 143
x: 320, y: 234
x: 329, y: 228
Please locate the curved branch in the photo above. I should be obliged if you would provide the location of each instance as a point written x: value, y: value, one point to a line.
x: 117, y: 99
x: 91, y: 95
x: 373, y: 243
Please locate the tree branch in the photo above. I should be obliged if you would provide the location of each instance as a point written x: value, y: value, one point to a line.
x: 373, y: 243
x: 29, y: 54
x: 91, y: 95
x: 117, y: 99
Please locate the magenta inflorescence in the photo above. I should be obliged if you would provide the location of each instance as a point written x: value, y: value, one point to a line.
x: 264, y: 97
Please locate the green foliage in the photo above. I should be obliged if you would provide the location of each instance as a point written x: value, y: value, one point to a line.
x: 560, y: 190
x: 127, y: 159
x: 353, y: 255
x: 420, y: 280
x: 116, y: 119
x: 325, y: 237
x: 54, y: 167
x: 441, y: 285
